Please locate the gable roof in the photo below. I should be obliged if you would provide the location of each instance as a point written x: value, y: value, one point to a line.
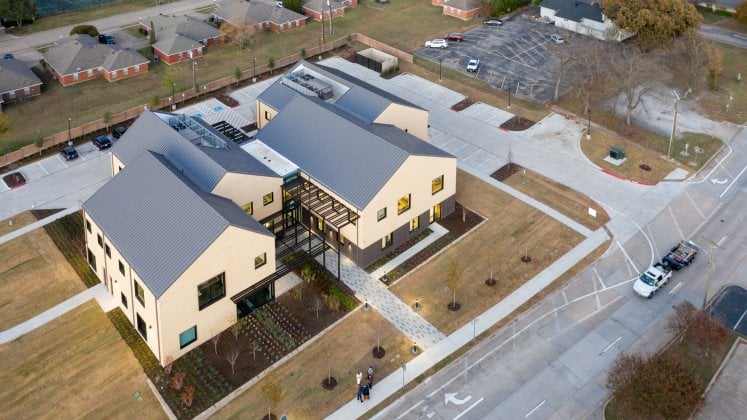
x: 347, y: 155
x: 15, y: 75
x: 186, y: 26
x: 575, y: 10
x: 176, y: 44
x: 317, y: 5
x: 463, y: 4
x: 82, y: 52
x: 242, y: 13
x: 205, y: 166
x: 276, y: 95
x: 151, y: 202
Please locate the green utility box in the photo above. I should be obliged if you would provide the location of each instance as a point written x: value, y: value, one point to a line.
x: 617, y: 152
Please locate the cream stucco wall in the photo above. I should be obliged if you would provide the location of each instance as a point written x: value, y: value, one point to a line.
x: 232, y: 253
x: 413, y: 177
x: 243, y: 188
x: 117, y: 164
x: 264, y: 114
x: 411, y: 120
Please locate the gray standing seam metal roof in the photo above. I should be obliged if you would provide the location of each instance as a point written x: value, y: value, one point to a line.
x: 15, y: 75
x: 574, y: 10
x: 242, y: 13
x: 277, y: 95
x: 351, y: 158
x: 160, y: 221
x: 366, y: 86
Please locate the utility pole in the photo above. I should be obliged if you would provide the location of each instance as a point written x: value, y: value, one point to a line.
x: 329, y: 6
x: 674, y: 122
x: 711, y: 247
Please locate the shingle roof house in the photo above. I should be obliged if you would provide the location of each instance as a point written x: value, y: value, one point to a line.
x: 17, y: 81
x: 179, y: 38
x: 462, y: 9
x: 336, y: 8
x: 582, y: 16
x: 258, y: 14
x: 80, y: 58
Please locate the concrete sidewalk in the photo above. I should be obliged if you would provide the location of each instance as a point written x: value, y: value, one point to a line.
x: 429, y: 357
x: 39, y: 223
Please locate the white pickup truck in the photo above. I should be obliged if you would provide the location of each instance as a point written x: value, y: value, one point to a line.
x: 653, y: 279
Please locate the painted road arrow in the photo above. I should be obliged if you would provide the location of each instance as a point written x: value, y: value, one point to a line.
x: 452, y: 397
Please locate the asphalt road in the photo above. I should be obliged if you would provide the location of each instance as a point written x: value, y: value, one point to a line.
x: 722, y: 35
x: 551, y: 362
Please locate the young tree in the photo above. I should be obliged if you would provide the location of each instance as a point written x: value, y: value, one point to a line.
x: 107, y: 118
x: 271, y: 64
x: 237, y: 76
x: 236, y: 328
x: 255, y: 348
x: 631, y: 75
x: 592, y: 78
x: 39, y: 142
x: 694, y: 54
x: 316, y: 306
x: 178, y: 380
x: 18, y: 10
x: 567, y: 57
x: 214, y: 339
x: 453, y: 280
x: 655, y: 23
x: 715, y: 66
x: 168, y: 365
x: 232, y: 356
x: 272, y: 393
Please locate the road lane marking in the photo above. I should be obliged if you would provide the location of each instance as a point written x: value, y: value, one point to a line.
x: 599, y: 277
x: 565, y: 298
x: 630, y: 260
x: 535, y: 408
x: 732, y: 182
x: 740, y: 320
x: 610, y: 346
x: 694, y: 205
x: 43, y: 168
x: 469, y: 408
x: 674, y: 289
x: 410, y: 409
x: 451, y: 397
x: 677, y: 225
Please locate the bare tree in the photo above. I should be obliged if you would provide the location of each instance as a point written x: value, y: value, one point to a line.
x: 272, y: 392
x: 453, y: 280
x: 316, y: 306
x: 214, y: 339
x: 567, y: 55
x: 694, y: 53
x: 591, y: 76
x: 232, y: 357
x: 631, y: 74
x: 715, y: 66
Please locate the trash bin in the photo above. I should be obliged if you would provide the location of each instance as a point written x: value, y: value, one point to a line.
x: 617, y: 152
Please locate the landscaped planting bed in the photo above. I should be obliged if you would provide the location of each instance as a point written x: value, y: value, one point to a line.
x: 400, y: 249
x: 67, y: 234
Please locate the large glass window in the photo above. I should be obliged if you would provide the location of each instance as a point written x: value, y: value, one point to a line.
x: 403, y: 204
x: 121, y: 267
x: 414, y: 223
x: 260, y: 260
x: 437, y: 184
x: 91, y: 259
x: 211, y: 291
x: 435, y: 213
x: 268, y: 198
x: 320, y: 224
x: 248, y: 207
x: 188, y: 337
x: 140, y: 293
x: 108, y: 250
x: 381, y: 214
x: 386, y: 241
x: 100, y: 240
x: 124, y: 300
x: 142, y: 327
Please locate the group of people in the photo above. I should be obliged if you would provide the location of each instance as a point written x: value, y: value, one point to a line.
x: 364, y: 390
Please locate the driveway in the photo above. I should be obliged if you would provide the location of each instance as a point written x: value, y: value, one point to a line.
x: 518, y: 56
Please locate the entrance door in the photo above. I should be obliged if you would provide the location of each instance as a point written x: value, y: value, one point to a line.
x: 435, y: 213
x: 260, y: 297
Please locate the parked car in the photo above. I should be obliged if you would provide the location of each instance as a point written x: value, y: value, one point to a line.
x: 557, y: 39
x: 473, y: 65
x: 492, y: 22
x: 454, y: 37
x: 102, y: 142
x: 118, y: 132
x: 279, y: 4
x: 69, y: 153
x: 106, y: 39
x: 436, y: 43
x: 8, y: 56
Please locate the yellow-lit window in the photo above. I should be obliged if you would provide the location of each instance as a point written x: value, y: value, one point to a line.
x: 320, y: 224
x: 435, y: 213
x: 248, y: 207
x: 260, y: 260
x: 403, y: 204
x: 414, y: 223
x: 437, y: 184
x: 268, y: 198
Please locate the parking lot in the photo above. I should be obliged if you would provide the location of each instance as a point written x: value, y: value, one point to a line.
x: 518, y: 55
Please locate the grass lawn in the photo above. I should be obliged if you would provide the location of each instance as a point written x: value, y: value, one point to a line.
x: 87, y: 14
x: 34, y: 276
x: 18, y: 221
x: 729, y: 103
x: 346, y: 349
x: 511, y: 227
x: 134, y: 30
x: 723, y: 22
x: 563, y: 199
x: 412, y: 21
x: 75, y: 366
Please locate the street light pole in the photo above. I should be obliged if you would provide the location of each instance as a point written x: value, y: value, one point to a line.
x: 69, y: 138
x: 194, y: 73
x: 254, y: 70
x: 321, y: 39
x: 173, y: 92
x: 588, y: 128
x: 674, y: 123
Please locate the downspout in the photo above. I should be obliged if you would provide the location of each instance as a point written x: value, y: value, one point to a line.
x: 158, y: 331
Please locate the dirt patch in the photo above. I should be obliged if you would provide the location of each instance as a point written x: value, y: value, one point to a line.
x: 504, y: 172
x: 517, y: 123
x: 226, y: 99
x: 44, y: 213
x: 461, y: 106
x: 460, y: 221
x: 14, y: 180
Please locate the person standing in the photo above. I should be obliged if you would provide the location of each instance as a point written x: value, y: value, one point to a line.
x: 360, y: 394
x: 358, y: 378
x: 369, y: 376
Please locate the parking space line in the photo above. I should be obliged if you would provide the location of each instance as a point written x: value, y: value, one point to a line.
x: 674, y: 289
x: 627, y: 257
x: 594, y: 269
x: 535, y: 408
x: 63, y: 162
x: 469, y: 408
x: 694, y: 205
x: 43, y: 168
x: 740, y: 320
x: 677, y: 225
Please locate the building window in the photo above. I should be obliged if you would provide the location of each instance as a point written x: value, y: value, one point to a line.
x: 403, y: 204
x: 437, y: 184
x: 26, y: 91
x: 386, y: 241
x: 88, y: 226
x: 91, y: 259
x: 414, y: 223
x: 90, y: 72
x: 12, y: 94
x: 100, y: 240
x: 140, y: 293
x: 435, y: 213
x: 381, y: 214
x: 268, y: 198
x: 75, y: 76
x: 268, y: 116
x: 260, y: 260
x: 188, y: 337
x: 141, y: 327
x: 124, y: 300
x: 320, y: 224
x: 211, y: 291
x: 108, y: 250
x: 249, y: 207
x: 125, y: 71
x: 121, y: 267
x: 114, y: 74
x: 137, y: 68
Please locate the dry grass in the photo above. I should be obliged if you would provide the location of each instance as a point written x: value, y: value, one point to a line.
x: 34, y: 276
x: 346, y: 349
x: 18, y: 221
x: 511, y: 227
x: 729, y: 103
x: 563, y: 199
x: 599, y: 146
x: 75, y: 366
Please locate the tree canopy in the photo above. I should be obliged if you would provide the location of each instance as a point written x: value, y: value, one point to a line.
x: 17, y: 10
x: 656, y: 23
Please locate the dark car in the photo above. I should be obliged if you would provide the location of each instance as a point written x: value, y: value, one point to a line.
x: 8, y: 56
x: 492, y: 22
x: 102, y: 142
x: 106, y: 39
x: 118, y: 132
x: 454, y: 37
x: 69, y: 153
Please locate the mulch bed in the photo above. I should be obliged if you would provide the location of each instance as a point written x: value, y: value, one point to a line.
x: 226, y: 99
x: 454, y: 224
x: 249, y: 128
x: 459, y: 106
x: 14, y: 180
x: 44, y: 213
x: 517, y: 124
x: 504, y: 172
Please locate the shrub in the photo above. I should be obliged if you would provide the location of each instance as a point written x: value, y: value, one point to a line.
x: 346, y: 301
x: 86, y: 30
